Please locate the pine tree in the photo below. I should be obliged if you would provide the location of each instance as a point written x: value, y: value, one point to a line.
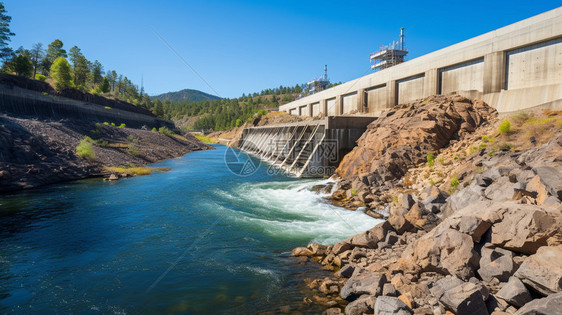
x: 105, y: 88
x: 53, y: 52
x: 37, y: 53
x: 5, y: 33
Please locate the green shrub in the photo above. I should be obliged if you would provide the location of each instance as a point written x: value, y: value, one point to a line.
x: 133, y: 150
x: 504, y: 127
x: 432, y: 182
x: 122, y: 126
x: 106, y: 123
x: 154, y: 130
x: 40, y: 77
x: 85, y: 149
x: 492, y: 153
x: 238, y: 122
x: 430, y: 159
x: 353, y: 192
x: 442, y: 161
x: 455, y: 182
x: 107, y: 107
x: 472, y: 150
x: 504, y: 146
x: 166, y: 131
x: 113, y: 124
x: 488, y: 139
x: 97, y: 129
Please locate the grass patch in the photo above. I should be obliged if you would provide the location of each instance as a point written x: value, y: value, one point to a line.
x: 430, y: 159
x: 353, y: 192
x: 135, y: 171
x: 455, y: 182
x: 133, y: 150
x: 204, y: 139
x: 85, y: 149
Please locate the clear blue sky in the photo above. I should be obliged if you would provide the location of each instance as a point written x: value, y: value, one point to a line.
x: 246, y: 46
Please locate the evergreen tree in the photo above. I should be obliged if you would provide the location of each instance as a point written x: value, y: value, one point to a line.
x: 81, y: 71
x: 97, y: 72
x: 5, y: 33
x: 54, y: 50
x: 22, y: 65
x: 61, y: 73
x: 105, y: 88
x: 37, y: 53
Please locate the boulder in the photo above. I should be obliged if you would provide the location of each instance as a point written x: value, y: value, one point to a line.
x: 389, y: 290
x: 464, y: 299
x: 551, y: 178
x: 364, y: 304
x: 463, y: 198
x: 302, y: 251
x: 400, y: 224
x: 345, y: 271
x: 525, y: 228
x: 445, y: 284
x: 360, y: 283
x: 514, y: 292
x: 535, y: 185
x: 370, y: 238
x: 543, y: 270
x: 341, y: 247
x: 551, y: 305
x: 389, y: 305
x: 421, y: 218
x: 317, y: 249
x: 496, y: 263
x: 473, y: 226
x: 444, y: 250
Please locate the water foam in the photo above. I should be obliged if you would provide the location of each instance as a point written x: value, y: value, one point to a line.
x: 291, y: 210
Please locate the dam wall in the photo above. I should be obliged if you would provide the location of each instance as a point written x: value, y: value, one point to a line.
x: 305, y: 149
x: 515, y: 67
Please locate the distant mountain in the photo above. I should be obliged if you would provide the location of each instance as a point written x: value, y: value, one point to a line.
x: 186, y: 95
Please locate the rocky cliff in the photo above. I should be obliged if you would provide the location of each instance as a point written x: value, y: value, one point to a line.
x: 473, y: 228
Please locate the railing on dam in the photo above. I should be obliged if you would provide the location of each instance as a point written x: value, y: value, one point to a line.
x: 305, y: 149
x: 511, y: 68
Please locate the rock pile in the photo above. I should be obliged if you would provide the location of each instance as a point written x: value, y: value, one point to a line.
x: 492, y: 246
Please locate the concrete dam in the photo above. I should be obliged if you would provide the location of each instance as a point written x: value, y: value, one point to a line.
x: 513, y: 68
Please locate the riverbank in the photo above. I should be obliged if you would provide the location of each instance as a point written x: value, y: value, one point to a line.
x: 473, y: 214
x: 37, y: 152
x: 102, y: 246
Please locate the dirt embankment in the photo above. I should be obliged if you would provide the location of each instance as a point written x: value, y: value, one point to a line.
x: 35, y: 153
x: 472, y: 209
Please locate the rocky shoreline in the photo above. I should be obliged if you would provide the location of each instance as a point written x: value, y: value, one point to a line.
x: 473, y: 215
x: 36, y: 152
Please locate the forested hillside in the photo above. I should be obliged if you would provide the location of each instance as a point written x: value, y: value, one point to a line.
x: 186, y: 95
x: 224, y: 114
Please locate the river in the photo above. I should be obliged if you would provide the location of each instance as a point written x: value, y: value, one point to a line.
x: 196, y: 239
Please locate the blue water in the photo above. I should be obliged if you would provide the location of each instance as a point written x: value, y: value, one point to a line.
x: 196, y: 239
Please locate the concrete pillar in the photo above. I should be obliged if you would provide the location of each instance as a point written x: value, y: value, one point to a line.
x: 431, y: 82
x: 324, y: 107
x: 391, y: 93
x: 339, y: 103
x: 361, y: 99
x: 310, y: 110
x: 494, y: 72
